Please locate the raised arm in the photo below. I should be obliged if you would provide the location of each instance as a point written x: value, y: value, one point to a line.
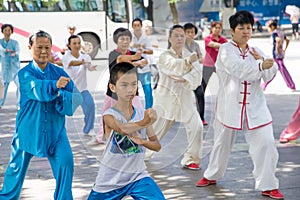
x: 131, y: 127
x: 232, y: 63
x: 129, y: 58
x: 170, y: 65
x: 68, y: 99
x: 37, y: 89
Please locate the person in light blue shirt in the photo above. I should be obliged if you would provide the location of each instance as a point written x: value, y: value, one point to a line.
x: 47, y: 95
x: 9, y: 53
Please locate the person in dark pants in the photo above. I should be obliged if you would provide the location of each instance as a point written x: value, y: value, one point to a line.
x: 190, y: 31
x: 212, y: 45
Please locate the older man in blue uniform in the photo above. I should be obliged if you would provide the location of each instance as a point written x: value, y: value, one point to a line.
x: 47, y: 96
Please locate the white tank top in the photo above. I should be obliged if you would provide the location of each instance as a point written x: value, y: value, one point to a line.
x: 122, y: 161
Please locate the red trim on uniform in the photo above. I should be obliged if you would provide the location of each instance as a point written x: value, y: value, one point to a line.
x: 234, y: 44
x: 243, y: 54
x: 256, y: 127
x: 259, y: 67
x: 271, y: 79
x: 119, y: 51
x: 234, y: 128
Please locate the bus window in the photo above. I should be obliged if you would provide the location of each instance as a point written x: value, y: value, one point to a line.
x: 31, y: 6
x: 93, y: 26
x: 96, y: 5
x: 116, y: 10
x: 13, y: 6
x: 86, y: 5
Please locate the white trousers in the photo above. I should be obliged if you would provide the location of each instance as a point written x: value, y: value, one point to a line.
x: 194, y: 132
x: 262, y: 149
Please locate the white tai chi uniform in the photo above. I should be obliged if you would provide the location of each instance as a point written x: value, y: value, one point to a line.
x: 241, y: 105
x: 174, y: 101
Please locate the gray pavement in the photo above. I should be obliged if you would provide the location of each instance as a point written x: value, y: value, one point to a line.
x: 175, y: 182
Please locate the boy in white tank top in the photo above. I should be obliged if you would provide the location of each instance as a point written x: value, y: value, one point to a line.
x: 128, y: 131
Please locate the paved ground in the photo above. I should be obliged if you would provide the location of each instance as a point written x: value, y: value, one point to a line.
x: 175, y: 182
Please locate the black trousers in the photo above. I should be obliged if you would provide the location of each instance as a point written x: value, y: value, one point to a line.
x: 199, y: 92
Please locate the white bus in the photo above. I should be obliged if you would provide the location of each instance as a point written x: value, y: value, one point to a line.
x: 95, y: 20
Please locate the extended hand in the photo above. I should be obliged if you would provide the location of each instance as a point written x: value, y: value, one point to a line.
x: 93, y: 68
x: 138, y: 55
x: 136, y: 138
x: 255, y: 54
x: 193, y: 57
x: 178, y: 79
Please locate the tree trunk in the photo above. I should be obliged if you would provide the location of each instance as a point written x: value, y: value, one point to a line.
x: 174, y: 13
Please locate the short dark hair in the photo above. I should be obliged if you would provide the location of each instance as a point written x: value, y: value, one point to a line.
x: 121, y: 32
x: 273, y: 23
x: 7, y: 25
x: 39, y: 34
x: 214, y: 24
x: 171, y: 31
x: 241, y: 18
x: 174, y: 27
x: 70, y: 38
x: 137, y: 20
x: 190, y: 26
x: 120, y: 68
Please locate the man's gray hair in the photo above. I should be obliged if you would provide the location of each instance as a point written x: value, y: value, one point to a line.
x: 39, y: 34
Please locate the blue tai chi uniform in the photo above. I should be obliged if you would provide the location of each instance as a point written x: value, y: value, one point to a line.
x: 40, y: 129
x: 10, y: 65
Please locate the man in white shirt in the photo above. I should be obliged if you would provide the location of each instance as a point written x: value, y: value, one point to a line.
x: 75, y: 64
x: 140, y: 42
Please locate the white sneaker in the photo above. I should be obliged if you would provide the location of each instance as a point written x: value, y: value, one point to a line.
x: 90, y: 134
x: 93, y: 142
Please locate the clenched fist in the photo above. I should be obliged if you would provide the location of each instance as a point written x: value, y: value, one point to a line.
x: 62, y: 82
x: 268, y: 63
x: 150, y: 116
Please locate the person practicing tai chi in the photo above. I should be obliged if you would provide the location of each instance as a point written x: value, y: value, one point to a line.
x: 141, y: 43
x: 180, y: 74
x: 241, y: 105
x: 10, y: 63
x: 47, y: 96
x: 279, y: 39
x: 122, y: 37
x: 129, y: 132
x: 76, y: 64
x: 292, y: 131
